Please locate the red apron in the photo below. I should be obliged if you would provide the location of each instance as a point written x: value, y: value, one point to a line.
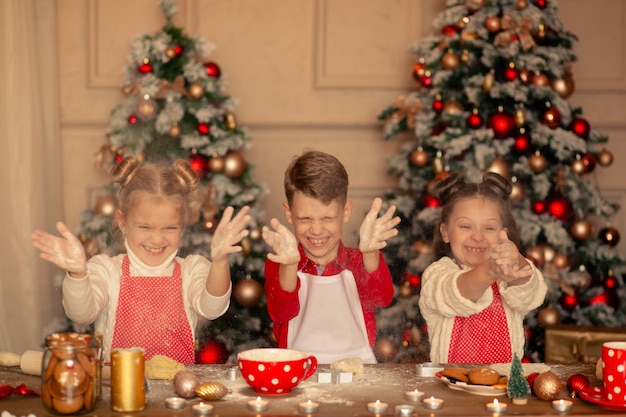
x: 482, y: 337
x: 151, y: 315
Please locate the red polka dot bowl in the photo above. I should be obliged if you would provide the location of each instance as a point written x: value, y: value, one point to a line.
x: 275, y: 370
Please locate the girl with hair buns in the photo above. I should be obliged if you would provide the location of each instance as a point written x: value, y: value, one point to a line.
x: 148, y: 297
x: 475, y: 296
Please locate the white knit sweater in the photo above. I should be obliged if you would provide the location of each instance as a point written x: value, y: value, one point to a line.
x: 440, y: 302
x: 94, y: 298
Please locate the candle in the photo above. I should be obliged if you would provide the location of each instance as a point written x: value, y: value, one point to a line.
x: 308, y: 407
x: 414, y: 396
x: 258, y: 405
x: 404, y: 410
x: 233, y: 373
x: 202, y: 409
x: 432, y: 403
x: 562, y: 406
x: 496, y: 407
x: 377, y: 407
x: 175, y: 403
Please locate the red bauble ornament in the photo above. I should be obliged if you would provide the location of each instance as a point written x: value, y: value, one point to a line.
x: 569, y: 301
x: 576, y: 383
x: 118, y: 157
x: 589, y: 162
x: 609, y: 236
x: 449, y: 30
x: 474, y: 120
x: 580, y: 127
x: 510, y: 73
x: 610, y: 283
x: 178, y: 49
x: 213, y: 351
x: 132, y: 119
x: 531, y: 379
x: 431, y: 201
x: 426, y: 80
x: 203, y: 128
x: 418, y: 71
x: 145, y: 68
x: 502, y: 125
x: 213, y: 70
x: 437, y: 105
x: 542, y: 4
x: 198, y: 163
x: 560, y: 207
x: 539, y: 207
x: 522, y: 144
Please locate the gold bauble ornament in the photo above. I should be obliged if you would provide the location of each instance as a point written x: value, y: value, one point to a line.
x: 246, y: 246
x: 517, y: 193
x: 450, y: 60
x: 385, y: 350
x: 105, y: 205
x: 216, y: 164
x: 255, y: 234
x: 488, y: 81
x: 452, y: 107
x: 438, y: 164
x: 419, y: 157
x: 547, y: 386
x: 539, y: 79
x: 520, y: 116
x: 465, y: 56
x: 174, y: 131
x: 196, y: 91
x: 128, y: 90
x: 469, y: 36
x: 536, y: 255
x: 605, y: 158
x: 170, y: 52
x: 524, y: 75
x: 548, y: 252
x: 581, y: 229
x: 560, y: 261
x: 211, y: 391
x: 578, y: 166
x: 209, y: 225
x: 537, y: 162
x: 542, y: 30
x: 230, y: 121
x: 493, y: 24
x: 146, y: 108
x: 548, y: 316
x: 499, y: 166
x: 551, y: 118
x: 234, y: 164
x: 248, y: 292
x: 521, y: 4
x: 405, y: 290
x: 562, y: 87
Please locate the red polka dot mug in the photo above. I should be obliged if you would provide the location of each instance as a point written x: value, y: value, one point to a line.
x: 614, y: 371
x: 275, y: 370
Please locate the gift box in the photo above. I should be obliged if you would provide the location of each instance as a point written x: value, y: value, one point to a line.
x: 569, y: 344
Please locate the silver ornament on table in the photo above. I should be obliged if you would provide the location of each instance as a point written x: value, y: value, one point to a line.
x: 185, y: 383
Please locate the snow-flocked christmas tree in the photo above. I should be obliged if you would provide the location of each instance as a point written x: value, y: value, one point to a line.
x: 175, y: 107
x: 491, y: 95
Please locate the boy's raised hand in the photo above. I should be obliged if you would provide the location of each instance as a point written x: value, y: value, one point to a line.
x: 230, y: 230
x: 375, y: 230
x: 66, y: 251
x: 282, y: 242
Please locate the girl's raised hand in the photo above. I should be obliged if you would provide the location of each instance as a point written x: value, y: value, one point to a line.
x: 66, y: 251
x: 510, y: 265
x: 375, y: 230
x: 230, y: 230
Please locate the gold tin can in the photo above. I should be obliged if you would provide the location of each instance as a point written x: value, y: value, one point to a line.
x: 127, y: 380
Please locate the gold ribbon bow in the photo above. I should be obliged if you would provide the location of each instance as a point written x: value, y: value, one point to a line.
x: 177, y: 85
x: 511, y: 28
x: 406, y: 110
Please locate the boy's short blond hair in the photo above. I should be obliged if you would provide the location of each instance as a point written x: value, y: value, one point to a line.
x: 318, y: 175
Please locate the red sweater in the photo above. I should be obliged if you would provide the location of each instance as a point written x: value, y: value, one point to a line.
x: 375, y: 289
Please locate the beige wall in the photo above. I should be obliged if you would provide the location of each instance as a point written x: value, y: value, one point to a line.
x: 308, y: 73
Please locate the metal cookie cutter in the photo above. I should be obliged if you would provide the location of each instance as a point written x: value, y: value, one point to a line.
x: 428, y: 368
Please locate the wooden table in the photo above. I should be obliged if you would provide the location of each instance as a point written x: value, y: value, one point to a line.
x: 384, y: 382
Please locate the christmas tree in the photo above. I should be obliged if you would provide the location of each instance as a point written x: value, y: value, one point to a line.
x: 174, y: 107
x: 491, y: 94
x: 517, y: 386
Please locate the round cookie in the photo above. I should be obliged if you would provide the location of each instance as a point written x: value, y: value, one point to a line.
x: 483, y: 376
x: 458, y: 374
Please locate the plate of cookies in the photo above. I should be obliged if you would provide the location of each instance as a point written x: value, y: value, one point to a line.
x: 481, y: 380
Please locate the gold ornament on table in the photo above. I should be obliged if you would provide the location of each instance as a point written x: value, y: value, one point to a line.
x: 234, y: 164
x: 605, y: 158
x: 195, y: 91
x: 211, y: 391
x: 406, y: 110
x: 547, y: 386
x: 248, y: 292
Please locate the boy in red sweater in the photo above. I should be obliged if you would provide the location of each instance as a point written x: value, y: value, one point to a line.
x: 322, y: 295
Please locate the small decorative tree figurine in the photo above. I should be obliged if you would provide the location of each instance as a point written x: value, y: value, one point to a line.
x: 517, y: 387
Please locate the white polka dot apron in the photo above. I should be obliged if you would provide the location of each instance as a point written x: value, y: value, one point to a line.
x: 151, y: 314
x: 482, y: 337
x: 330, y: 324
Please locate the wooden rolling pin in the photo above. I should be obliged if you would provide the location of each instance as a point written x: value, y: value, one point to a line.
x: 29, y: 362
